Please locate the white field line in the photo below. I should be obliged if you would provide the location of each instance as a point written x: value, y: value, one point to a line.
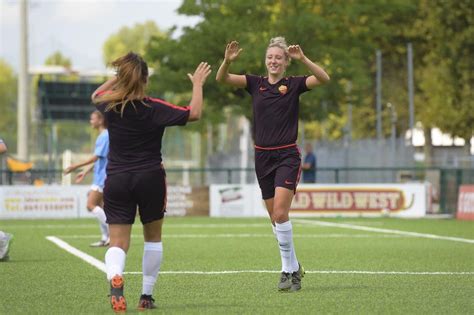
x: 76, y: 252
x: 51, y: 226
x: 361, y: 272
x: 101, y: 266
x: 138, y: 225
x: 216, y: 225
x: 244, y: 235
x: 358, y: 222
x: 379, y: 230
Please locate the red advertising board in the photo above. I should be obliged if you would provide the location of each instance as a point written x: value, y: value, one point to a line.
x: 369, y: 199
x: 466, y: 202
x: 403, y: 200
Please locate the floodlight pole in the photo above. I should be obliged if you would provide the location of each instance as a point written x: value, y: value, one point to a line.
x: 411, y: 103
x: 349, y: 110
x: 23, y: 86
x: 244, y: 148
x: 378, y: 93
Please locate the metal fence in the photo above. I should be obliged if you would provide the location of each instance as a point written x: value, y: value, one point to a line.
x: 445, y: 181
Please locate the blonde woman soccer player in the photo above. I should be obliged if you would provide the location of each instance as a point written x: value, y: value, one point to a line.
x: 135, y: 174
x: 95, y: 198
x: 275, y: 101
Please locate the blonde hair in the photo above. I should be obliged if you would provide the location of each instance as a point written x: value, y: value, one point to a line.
x: 279, y: 42
x: 132, y: 76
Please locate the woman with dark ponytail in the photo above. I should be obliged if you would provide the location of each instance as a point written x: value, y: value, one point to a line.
x: 135, y: 173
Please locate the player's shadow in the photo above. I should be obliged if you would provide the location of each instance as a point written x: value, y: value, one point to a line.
x: 205, y: 307
x: 25, y: 261
x: 345, y: 287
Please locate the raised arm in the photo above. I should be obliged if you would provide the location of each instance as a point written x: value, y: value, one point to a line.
x: 107, y: 85
x: 232, y: 52
x: 198, y: 79
x: 319, y: 75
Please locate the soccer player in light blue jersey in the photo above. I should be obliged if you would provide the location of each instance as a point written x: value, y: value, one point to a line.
x: 98, y: 161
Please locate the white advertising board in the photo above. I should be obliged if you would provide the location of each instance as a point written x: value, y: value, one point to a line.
x: 400, y: 200
x: 178, y: 200
x: 236, y: 201
x: 18, y: 202
x: 26, y: 202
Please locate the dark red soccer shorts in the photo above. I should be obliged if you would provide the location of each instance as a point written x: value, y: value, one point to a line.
x: 124, y: 192
x: 277, y: 168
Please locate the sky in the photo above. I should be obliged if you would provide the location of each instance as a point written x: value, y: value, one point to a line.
x: 79, y: 28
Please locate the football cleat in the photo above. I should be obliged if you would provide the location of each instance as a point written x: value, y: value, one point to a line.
x: 146, y: 302
x: 296, y: 279
x: 5, y: 243
x: 117, y: 300
x: 100, y: 243
x: 285, y: 281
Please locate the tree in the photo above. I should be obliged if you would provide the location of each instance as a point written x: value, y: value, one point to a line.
x: 57, y: 59
x: 340, y: 35
x: 127, y: 39
x: 446, y: 78
x: 8, y: 97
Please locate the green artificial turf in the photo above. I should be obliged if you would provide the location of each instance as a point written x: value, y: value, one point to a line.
x: 42, y: 278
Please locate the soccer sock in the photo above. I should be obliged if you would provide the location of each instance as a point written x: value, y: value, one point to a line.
x: 114, y: 262
x: 100, y: 215
x: 294, y: 261
x: 284, y: 232
x: 274, y: 232
x: 152, y: 257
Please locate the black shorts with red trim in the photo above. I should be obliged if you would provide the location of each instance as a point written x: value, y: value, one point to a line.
x: 125, y: 193
x: 277, y: 167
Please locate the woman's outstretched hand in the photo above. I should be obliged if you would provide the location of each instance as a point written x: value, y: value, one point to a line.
x: 232, y: 51
x: 295, y: 52
x: 200, y: 74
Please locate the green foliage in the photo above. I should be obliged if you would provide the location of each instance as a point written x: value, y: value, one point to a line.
x: 446, y: 78
x: 340, y: 36
x: 128, y: 39
x: 8, y: 97
x: 57, y: 59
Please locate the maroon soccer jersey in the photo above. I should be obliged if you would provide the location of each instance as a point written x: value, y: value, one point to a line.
x: 275, y: 109
x: 135, y: 138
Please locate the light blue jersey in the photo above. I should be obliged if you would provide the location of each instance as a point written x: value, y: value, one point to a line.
x: 101, y: 151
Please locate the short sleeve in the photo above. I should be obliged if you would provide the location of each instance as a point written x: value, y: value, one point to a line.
x: 252, y: 83
x: 101, y: 107
x: 300, y: 83
x: 102, y: 145
x: 167, y: 114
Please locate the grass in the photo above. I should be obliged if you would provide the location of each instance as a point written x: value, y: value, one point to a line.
x: 43, y: 278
